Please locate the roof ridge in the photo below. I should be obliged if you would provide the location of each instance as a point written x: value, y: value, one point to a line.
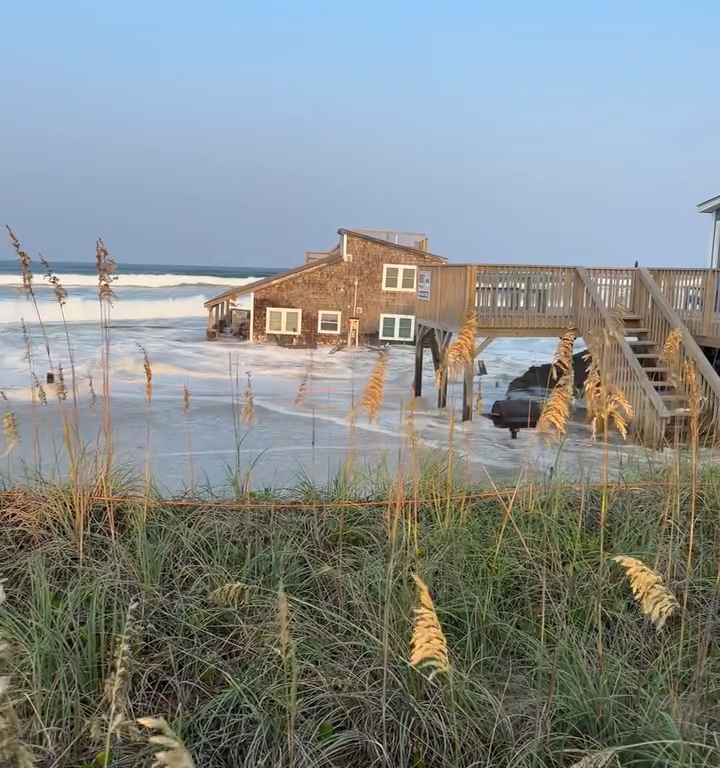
x: 365, y: 236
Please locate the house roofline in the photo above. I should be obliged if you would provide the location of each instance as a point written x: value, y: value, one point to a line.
x: 271, y: 279
x: 709, y: 206
x: 380, y: 241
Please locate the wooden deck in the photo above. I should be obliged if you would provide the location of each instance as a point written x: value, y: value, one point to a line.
x: 513, y: 300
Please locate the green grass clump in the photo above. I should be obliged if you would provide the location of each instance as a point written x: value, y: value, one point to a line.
x: 550, y: 659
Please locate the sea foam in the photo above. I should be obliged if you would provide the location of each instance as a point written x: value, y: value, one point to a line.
x: 130, y: 280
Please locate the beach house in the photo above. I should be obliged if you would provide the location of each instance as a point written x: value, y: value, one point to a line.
x: 364, y: 289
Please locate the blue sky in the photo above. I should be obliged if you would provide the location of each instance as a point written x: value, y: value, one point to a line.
x: 246, y: 132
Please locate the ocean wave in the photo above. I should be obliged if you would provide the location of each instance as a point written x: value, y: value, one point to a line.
x: 86, y: 310
x: 130, y: 280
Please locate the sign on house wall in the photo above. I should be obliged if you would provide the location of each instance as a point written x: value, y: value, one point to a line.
x: 423, y: 284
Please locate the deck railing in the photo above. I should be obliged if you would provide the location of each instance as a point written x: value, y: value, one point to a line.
x: 524, y: 296
x: 613, y: 287
x: 693, y: 295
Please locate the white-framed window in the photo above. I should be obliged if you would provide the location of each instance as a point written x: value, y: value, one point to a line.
x: 399, y: 277
x: 283, y: 320
x: 329, y: 321
x: 397, y: 327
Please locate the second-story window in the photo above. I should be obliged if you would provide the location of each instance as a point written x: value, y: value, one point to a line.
x: 399, y: 277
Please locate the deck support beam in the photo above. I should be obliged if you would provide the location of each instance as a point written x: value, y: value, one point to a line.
x: 440, y: 343
x: 419, y: 353
x: 468, y: 377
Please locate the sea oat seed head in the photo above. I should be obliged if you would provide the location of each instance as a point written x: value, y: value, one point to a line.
x: 105, y: 266
x: 428, y: 646
x: 25, y: 261
x: 374, y: 393
x: 462, y: 350
x: 656, y: 601
x: 247, y: 413
x: 147, y: 368
x: 229, y: 595
x: 175, y: 754
x: 595, y: 759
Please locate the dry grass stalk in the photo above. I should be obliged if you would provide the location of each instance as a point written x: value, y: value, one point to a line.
x: 38, y: 387
x: 409, y: 423
x: 105, y: 266
x: 247, y: 414
x: 58, y: 288
x: 462, y: 350
x: 695, y: 399
x: 186, y: 400
x: 374, y: 393
x: 599, y: 759
x: 605, y: 402
x: 428, y: 646
x: 25, y: 261
x: 91, y: 389
x: 284, y: 634
x: 670, y: 354
x: 27, y: 279
x: 12, y: 751
x: 230, y: 595
x: 556, y: 410
x: 60, y: 389
x: 147, y: 368
x: 656, y: 601
x: 10, y: 431
x: 174, y: 754
x: 563, y: 360
x: 287, y: 654
x: 117, y: 684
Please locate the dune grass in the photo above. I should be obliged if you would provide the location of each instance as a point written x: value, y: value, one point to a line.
x: 306, y: 659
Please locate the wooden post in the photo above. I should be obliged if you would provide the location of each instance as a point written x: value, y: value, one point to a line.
x: 577, y: 299
x: 709, y: 297
x: 442, y: 340
x: 442, y: 388
x: 419, y: 350
x: 467, y: 409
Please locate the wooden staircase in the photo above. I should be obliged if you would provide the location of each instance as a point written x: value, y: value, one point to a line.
x: 648, y: 353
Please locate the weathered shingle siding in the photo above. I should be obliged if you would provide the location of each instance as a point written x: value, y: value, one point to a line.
x: 333, y: 288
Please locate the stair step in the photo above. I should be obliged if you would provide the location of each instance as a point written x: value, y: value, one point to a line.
x: 631, y: 316
x: 656, y: 370
x: 673, y: 396
x: 642, y: 343
x: 662, y: 384
x: 648, y: 356
x: 635, y: 331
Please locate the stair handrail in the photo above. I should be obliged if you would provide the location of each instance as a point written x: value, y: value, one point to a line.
x: 692, y: 348
x: 630, y: 358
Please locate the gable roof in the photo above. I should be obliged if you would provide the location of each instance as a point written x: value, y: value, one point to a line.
x: 272, y: 279
x: 709, y: 206
x: 332, y: 258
